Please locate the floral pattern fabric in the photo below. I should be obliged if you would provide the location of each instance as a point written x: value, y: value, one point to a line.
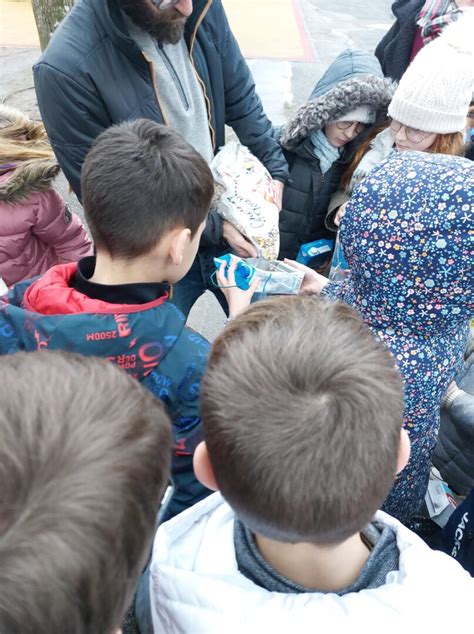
x: 408, y: 236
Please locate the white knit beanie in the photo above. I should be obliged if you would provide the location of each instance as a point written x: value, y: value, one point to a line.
x: 435, y: 91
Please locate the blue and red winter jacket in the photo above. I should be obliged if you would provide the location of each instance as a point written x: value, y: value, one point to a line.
x: 149, y: 341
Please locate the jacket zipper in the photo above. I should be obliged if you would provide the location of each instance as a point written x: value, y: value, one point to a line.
x: 152, y: 71
x: 206, y: 98
x: 174, y: 74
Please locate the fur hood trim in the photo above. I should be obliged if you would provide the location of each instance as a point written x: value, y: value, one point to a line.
x: 345, y: 96
x: 28, y: 178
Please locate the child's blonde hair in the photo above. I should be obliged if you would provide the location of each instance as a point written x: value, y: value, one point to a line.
x: 21, y: 139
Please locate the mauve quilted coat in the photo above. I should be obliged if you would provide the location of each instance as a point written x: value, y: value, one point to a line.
x: 37, y: 229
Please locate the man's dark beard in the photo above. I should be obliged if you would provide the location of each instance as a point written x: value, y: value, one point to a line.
x: 166, y: 26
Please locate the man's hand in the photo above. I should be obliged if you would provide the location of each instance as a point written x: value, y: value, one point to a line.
x: 279, y: 193
x: 313, y: 282
x: 239, y: 245
x: 237, y: 299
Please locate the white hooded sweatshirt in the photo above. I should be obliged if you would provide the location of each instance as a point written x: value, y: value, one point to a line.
x: 196, y: 587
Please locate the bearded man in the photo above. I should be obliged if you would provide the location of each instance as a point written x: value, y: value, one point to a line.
x: 172, y: 61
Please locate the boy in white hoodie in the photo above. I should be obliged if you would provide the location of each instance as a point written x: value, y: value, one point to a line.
x: 302, y: 414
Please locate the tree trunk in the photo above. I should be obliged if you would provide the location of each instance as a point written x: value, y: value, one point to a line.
x: 48, y: 14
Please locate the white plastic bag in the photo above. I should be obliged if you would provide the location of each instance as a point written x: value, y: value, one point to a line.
x: 248, y: 201
x: 276, y: 278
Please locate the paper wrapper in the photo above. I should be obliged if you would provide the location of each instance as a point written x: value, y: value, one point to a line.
x: 248, y: 201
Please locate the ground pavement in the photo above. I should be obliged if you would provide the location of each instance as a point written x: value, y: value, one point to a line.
x: 288, y: 44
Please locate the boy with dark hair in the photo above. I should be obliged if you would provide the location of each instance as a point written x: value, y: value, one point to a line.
x: 82, y: 473
x: 146, y: 193
x: 303, y: 438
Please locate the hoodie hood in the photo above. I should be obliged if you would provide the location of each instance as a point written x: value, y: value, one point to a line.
x: 408, y: 237
x: 48, y: 314
x: 354, y: 79
x: 350, y: 64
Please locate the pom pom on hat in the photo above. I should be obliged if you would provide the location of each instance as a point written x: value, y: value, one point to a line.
x: 435, y: 91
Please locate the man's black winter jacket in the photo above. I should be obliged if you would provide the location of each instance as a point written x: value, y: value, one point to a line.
x: 93, y: 75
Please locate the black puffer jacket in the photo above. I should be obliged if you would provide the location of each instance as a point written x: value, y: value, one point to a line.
x: 454, y: 454
x: 306, y: 198
x: 354, y: 79
x: 394, y: 49
x: 93, y: 75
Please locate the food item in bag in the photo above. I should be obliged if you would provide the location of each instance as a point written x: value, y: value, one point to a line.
x: 249, y: 201
x: 274, y: 277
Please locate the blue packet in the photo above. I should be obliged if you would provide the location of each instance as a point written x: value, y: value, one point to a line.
x: 243, y: 272
x: 312, y: 250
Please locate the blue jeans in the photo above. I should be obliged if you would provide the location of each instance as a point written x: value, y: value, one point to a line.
x: 198, y: 279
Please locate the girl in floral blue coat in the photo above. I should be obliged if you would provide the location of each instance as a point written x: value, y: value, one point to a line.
x: 408, y: 236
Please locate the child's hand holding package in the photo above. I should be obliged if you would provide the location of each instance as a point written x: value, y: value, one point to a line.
x: 313, y: 282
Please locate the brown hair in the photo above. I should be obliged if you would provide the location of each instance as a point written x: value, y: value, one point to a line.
x: 84, y: 459
x: 139, y: 180
x: 302, y: 411
x: 452, y: 143
x: 361, y: 151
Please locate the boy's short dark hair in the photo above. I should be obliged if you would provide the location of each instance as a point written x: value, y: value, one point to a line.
x: 302, y: 410
x: 139, y: 180
x: 84, y: 459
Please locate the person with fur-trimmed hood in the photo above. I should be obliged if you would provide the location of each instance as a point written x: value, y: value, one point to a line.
x: 37, y: 228
x: 320, y: 139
